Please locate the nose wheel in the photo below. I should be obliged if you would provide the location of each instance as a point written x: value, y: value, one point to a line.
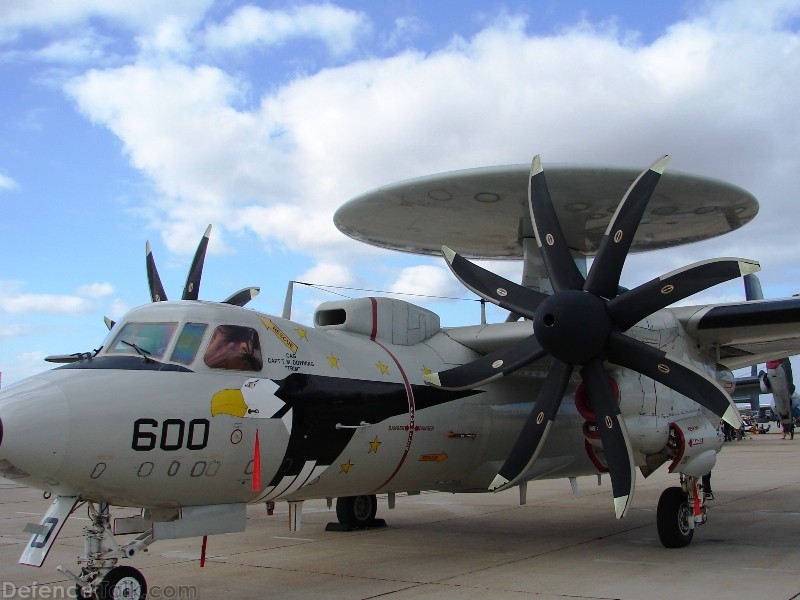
x: 122, y: 582
x: 101, y: 577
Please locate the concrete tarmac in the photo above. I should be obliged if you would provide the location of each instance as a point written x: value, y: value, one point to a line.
x: 439, y: 546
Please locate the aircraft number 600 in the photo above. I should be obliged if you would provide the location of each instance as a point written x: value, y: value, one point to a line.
x: 171, y: 435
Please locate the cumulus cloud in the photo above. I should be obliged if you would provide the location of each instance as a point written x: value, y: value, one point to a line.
x: 41, y: 15
x: 427, y: 280
x: 717, y: 91
x: 6, y: 183
x: 334, y: 274
x: 338, y: 28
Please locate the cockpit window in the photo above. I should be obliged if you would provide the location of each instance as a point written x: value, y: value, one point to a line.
x: 234, y: 347
x: 188, y: 343
x: 150, y: 339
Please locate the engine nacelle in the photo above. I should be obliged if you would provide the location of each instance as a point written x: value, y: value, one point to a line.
x: 694, y: 442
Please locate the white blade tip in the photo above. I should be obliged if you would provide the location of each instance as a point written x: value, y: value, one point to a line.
x: 732, y: 417
x: 432, y: 379
x: 536, y: 165
x: 497, y: 483
x: 747, y: 267
x: 621, y: 506
x: 449, y: 254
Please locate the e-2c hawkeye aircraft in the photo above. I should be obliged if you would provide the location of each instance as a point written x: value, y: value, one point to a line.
x: 190, y: 410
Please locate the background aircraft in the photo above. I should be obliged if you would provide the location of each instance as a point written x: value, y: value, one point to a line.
x: 190, y: 409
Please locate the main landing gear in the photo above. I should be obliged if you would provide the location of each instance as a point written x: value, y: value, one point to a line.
x: 680, y: 510
x: 100, y: 576
x: 356, y: 512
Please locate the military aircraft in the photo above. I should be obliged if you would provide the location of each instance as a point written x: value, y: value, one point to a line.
x: 776, y: 380
x: 190, y: 410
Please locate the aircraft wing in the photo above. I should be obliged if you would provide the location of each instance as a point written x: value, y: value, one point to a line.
x: 746, y: 333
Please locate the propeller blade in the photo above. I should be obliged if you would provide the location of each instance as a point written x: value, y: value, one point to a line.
x: 191, y: 290
x: 603, y: 277
x: 561, y: 267
x: 537, y: 426
x: 157, y: 293
x: 632, y: 306
x: 673, y: 373
x: 613, y: 434
x: 498, y: 290
x: 752, y: 288
x: 489, y: 367
x: 243, y: 296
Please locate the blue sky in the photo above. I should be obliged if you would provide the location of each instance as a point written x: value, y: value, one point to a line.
x: 124, y: 122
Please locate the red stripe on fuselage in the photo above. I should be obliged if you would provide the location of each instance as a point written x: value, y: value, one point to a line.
x: 409, y: 394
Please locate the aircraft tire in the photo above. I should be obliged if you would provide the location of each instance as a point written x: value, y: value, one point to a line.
x: 122, y: 582
x: 671, y: 515
x: 357, y: 511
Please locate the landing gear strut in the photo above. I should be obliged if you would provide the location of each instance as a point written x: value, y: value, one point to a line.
x: 100, y: 577
x: 680, y: 510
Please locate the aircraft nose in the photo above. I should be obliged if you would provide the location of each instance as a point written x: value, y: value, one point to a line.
x: 34, y: 431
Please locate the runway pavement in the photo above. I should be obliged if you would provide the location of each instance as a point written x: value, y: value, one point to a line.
x: 439, y: 546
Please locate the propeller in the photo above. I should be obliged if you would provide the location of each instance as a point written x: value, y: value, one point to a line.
x: 582, y: 324
x: 191, y: 288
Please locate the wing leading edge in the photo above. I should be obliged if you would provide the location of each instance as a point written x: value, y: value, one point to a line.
x: 746, y: 333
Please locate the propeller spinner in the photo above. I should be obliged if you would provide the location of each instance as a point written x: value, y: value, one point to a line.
x: 582, y: 324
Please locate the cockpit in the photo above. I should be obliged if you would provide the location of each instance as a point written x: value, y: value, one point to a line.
x: 185, y: 343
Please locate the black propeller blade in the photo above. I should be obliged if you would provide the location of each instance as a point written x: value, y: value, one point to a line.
x: 506, y: 294
x: 157, y: 293
x: 536, y: 426
x: 561, y: 267
x: 581, y: 325
x: 191, y: 290
x: 242, y: 297
x: 631, y: 307
x: 603, y: 278
x: 613, y: 434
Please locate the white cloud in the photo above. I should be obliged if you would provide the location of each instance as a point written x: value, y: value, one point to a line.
x: 52, y: 304
x: 328, y: 274
x: 11, y: 330
x: 14, y: 301
x: 427, y: 280
x: 74, y: 50
x: 24, y: 365
x: 96, y: 290
x: 6, y: 183
x: 717, y: 91
x: 20, y: 15
x: 118, y: 308
x: 338, y: 28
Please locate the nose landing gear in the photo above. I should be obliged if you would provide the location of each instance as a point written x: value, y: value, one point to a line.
x: 100, y: 576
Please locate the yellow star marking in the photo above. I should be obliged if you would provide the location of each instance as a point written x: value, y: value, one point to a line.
x: 426, y: 370
x: 373, y: 445
x: 384, y: 369
x: 346, y: 467
x: 301, y: 333
x: 334, y: 360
